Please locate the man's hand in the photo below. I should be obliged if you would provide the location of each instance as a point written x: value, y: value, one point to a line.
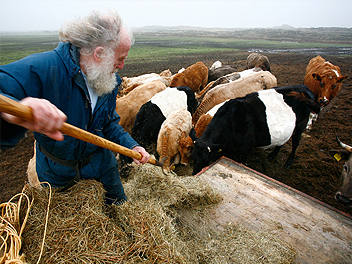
x: 144, y: 153
x: 48, y: 119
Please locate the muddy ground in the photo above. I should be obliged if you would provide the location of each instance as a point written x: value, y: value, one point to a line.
x: 314, y: 172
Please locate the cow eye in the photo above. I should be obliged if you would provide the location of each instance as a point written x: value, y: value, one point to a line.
x: 321, y: 84
x: 333, y: 86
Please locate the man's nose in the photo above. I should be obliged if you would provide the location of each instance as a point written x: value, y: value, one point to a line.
x: 120, y: 64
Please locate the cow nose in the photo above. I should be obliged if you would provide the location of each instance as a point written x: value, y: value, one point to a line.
x: 343, y: 199
x: 323, y: 101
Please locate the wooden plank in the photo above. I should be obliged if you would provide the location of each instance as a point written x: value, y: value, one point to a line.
x: 317, y: 232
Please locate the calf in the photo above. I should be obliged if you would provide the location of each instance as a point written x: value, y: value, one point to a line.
x: 344, y: 193
x: 262, y: 119
x: 195, y: 77
x: 153, y: 113
x: 178, y: 123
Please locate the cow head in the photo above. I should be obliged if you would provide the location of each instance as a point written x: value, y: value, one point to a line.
x: 202, y: 154
x: 344, y: 193
x: 330, y: 84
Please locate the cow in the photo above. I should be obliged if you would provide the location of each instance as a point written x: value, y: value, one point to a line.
x: 215, y: 65
x: 324, y: 79
x: 153, y: 113
x: 344, y: 192
x: 263, y: 119
x: 216, y: 73
x: 258, y: 60
x: 178, y: 123
x: 128, y: 106
x: 32, y: 172
x: 225, y: 79
x: 255, y: 82
x: 128, y: 84
x: 195, y: 77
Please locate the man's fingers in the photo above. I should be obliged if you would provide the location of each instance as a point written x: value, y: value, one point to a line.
x: 47, y: 117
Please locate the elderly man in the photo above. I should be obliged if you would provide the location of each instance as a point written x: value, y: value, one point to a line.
x: 76, y: 82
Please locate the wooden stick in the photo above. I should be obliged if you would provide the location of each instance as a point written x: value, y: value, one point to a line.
x: 15, y: 108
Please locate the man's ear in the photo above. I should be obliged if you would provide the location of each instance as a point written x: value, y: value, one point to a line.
x: 98, y: 52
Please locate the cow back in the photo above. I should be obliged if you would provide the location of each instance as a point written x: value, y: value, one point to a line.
x: 195, y: 77
x: 255, y: 82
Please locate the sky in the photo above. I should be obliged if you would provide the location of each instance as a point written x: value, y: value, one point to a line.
x: 30, y: 15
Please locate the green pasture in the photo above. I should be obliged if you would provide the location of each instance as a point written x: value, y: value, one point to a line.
x: 146, y: 48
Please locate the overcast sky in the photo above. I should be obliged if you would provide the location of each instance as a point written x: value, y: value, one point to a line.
x: 30, y: 15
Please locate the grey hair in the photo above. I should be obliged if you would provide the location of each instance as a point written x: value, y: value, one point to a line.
x: 92, y: 31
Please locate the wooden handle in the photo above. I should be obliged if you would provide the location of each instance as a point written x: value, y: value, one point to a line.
x: 12, y: 107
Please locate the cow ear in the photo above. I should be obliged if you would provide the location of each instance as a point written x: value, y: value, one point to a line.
x: 340, y: 79
x: 192, y: 134
x: 316, y: 76
x: 339, y: 154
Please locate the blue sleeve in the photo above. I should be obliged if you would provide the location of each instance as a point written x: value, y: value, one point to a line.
x: 18, y: 80
x: 10, y: 134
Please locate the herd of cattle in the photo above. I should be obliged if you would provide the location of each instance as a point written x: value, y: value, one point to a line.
x: 200, y: 112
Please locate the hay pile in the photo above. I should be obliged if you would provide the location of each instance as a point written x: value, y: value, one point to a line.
x: 146, y: 229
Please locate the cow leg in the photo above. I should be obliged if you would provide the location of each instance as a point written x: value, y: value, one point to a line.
x: 295, y: 142
x: 274, y: 153
x: 296, y: 137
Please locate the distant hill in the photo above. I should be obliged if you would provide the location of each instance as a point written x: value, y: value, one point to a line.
x: 285, y: 27
x: 154, y: 28
x: 284, y: 32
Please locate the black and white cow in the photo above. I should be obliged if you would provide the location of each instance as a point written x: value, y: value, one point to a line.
x: 153, y: 113
x: 263, y: 119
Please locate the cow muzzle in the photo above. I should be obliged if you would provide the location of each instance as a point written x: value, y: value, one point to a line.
x: 323, y: 101
x: 343, y: 199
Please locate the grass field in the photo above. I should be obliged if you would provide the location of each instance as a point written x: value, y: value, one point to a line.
x: 162, y: 47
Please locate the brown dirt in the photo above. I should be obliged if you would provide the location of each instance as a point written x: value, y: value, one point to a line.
x: 314, y: 172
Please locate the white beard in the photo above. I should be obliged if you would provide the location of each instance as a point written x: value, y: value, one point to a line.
x: 101, y: 78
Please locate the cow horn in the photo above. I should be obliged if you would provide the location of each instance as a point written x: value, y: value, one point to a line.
x: 343, y: 145
x: 209, y: 149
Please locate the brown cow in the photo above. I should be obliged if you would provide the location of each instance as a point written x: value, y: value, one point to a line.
x: 177, y: 122
x: 323, y: 79
x: 195, y: 77
x: 128, y: 84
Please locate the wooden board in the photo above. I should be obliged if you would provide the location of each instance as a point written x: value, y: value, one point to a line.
x: 318, y: 233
